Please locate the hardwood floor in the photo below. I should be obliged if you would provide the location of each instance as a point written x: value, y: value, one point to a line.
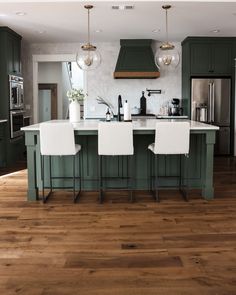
x: 118, y: 248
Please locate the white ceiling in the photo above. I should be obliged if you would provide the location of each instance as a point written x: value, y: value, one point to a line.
x: 67, y: 21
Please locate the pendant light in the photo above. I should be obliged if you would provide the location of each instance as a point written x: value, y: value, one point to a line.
x: 88, y: 57
x: 167, y: 56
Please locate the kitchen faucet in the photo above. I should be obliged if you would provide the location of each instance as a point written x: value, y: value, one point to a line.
x: 119, y: 106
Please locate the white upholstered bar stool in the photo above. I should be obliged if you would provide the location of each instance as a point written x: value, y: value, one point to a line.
x: 57, y: 139
x: 171, y: 138
x: 115, y: 139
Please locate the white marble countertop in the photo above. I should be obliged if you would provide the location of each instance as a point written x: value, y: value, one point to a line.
x: 138, y: 124
x: 171, y: 117
x: 3, y: 121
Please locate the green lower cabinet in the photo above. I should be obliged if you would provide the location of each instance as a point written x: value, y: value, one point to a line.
x: 2, y: 146
x: 15, y: 151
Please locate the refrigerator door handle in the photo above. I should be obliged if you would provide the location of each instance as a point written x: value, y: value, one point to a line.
x: 213, y: 103
x: 209, y: 102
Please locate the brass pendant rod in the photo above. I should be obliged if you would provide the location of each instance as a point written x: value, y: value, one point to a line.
x: 167, y: 36
x: 88, y: 26
x: 166, y: 7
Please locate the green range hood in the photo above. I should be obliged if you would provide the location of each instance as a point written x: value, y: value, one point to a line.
x: 136, y: 60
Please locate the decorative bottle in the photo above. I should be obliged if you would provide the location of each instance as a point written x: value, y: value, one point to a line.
x: 143, y: 104
x: 108, y: 115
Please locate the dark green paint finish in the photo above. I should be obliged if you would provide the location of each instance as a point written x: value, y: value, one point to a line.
x: 3, y: 144
x: 136, y: 56
x: 10, y: 63
x: 200, y: 162
x: 211, y: 58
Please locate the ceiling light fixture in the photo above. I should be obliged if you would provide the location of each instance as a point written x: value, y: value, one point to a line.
x: 215, y: 31
x: 98, y: 31
x: 155, y: 30
x: 88, y: 57
x: 20, y: 13
x: 40, y: 32
x: 167, y: 55
x: 2, y: 15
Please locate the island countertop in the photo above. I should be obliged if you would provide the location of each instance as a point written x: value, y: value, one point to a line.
x: 138, y: 124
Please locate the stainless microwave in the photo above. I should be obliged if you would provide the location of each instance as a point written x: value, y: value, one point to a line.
x: 16, y: 92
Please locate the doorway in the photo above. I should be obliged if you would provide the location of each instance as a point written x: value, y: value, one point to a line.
x: 62, y: 100
x: 47, y: 94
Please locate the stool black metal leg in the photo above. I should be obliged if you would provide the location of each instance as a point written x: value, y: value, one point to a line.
x: 187, y: 178
x: 131, y: 179
x: 74, y: 197
x: 100, y: 179
x: 156, y: 179
x: 180, y: 173
x: 151, y: 173
x: 50, y: 172
x: 80, y: 173
x: 42, y: 172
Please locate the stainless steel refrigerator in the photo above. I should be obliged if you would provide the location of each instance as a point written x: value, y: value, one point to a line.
x: 210, y: 102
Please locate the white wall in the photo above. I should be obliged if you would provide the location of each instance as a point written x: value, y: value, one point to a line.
x: 101, y: 82
x: 66, y: 85
x: 51, y: 72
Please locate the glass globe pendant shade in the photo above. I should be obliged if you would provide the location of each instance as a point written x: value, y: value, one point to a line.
x: 167, y: 57
x: 88, y: 58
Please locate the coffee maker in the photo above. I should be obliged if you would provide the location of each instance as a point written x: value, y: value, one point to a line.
x: 175, y: 109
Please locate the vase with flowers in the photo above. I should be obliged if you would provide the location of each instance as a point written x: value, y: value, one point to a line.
x: 75, y: 96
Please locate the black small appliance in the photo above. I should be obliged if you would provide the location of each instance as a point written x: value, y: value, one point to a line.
x: 175, y: 109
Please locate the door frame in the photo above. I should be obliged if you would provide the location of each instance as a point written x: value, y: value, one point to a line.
x: 50, y: 58
x: 54, y: 97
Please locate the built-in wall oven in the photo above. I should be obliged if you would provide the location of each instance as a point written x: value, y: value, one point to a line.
x: 16, y: 105
x: 16, y: 92
x: 16, y: 123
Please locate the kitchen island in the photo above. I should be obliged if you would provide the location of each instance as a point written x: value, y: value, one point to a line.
x: 200, y: 172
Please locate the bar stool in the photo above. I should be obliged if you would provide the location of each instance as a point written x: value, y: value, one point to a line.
x: 57, y: 139
x: 170, y: 139
x: 115, y: 139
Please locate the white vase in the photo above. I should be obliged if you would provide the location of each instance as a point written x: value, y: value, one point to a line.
x: 74, y: 111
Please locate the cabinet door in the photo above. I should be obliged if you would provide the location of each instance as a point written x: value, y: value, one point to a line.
x: 13, y: 55
x: 200, y: 58
x: 17, y: 55
x: 221, y: 58
x: 10, y: 54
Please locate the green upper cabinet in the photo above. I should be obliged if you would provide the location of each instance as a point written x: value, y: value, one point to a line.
x: 10, y: 56
x: 210, y: 56
x: 222, y: 58
x: 13, y: 54
x: 200, y: 54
